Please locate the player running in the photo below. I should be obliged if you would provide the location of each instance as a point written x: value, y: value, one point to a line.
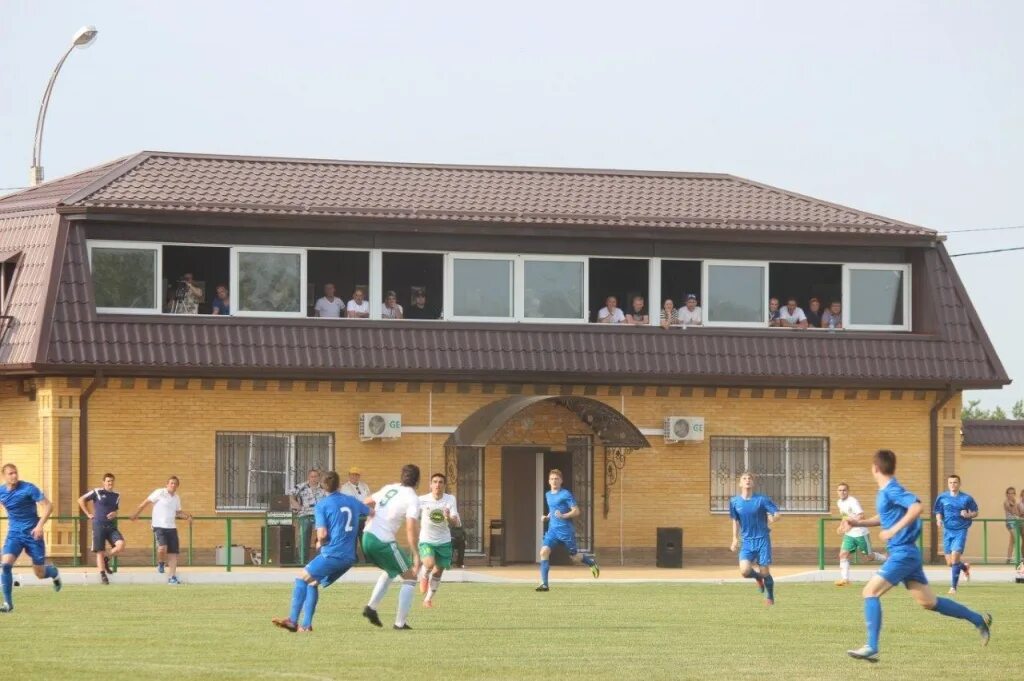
x: 105, y: 504
x: 438, y: 514
x: 337, y: 526
x: 395, y: 503
x: 562, y: 508
x: 954, y: 512
x: 751, y: 515
x: 899, y: 514
x: 856, y: 539
x: 24, y: 532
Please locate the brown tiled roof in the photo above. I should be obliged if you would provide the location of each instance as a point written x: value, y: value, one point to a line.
x: 1007, y: 433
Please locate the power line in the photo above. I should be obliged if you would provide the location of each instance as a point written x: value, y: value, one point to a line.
x: 982, y: 229
x: 998, y: 250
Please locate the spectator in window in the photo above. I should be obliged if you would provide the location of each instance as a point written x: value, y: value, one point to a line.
x: 610, y: 313
x: 833, y: 317
x: 813, y: 313
x: 391, y: 309
x: 185, y: 296
x: 222, y: 303
x: 638, y: 314
x: 669, y: 314
x: 691, y: 315
x: 773, y: 312
x: 329, y: 305
x: 358, y: 307
x: 418, y: 309
x: 791, y: 316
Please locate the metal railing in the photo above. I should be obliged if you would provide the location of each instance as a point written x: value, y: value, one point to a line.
x: 926, y: 521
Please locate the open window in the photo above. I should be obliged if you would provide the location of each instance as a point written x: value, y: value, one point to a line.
x: 553, y: 288
x: 802, y: 281
x: 347, y: 272
x: 268, y: 282
x: 417, y: 280
x: 482, y: 287
x: 877, y: 297
x: 680, y: 279
x: 191, y: 277
x: 624, y: 278
x: 125, y: 276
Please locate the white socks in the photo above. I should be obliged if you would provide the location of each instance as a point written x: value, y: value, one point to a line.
x: 844, y: 569
x: 880, y: 557
x: 379, y: 590
x: 435, y: 582
x: 405, y: 596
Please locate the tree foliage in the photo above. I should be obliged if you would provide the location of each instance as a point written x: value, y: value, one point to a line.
x: 973, y: 411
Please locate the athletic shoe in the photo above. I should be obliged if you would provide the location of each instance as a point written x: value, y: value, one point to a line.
x: 760, y: 583
x: 952, y: 591
x: 842, y: 582
x: 542, y: 587
x: 985, y: 629
x: 966, y: 569
x: 285, y: 623
x: 57, y: 584
x: 103, y: 578
x: 160, y: 568
x: 423, y: 585
x: 6, y: 607
x: 371, y: 614
x: 594, y: 570
x: 174, y: 580
x: 106, y: 565
x: 404, y: 626
x: 864, y: 653
x: 305, y: 630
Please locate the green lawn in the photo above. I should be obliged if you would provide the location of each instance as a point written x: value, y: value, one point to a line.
x: 488, y: 631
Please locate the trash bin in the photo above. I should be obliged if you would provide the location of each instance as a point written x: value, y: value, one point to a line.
x: 496, y: 543
x: 670, y: 547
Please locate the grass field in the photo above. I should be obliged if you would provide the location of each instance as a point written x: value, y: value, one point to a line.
x: 609, y: 631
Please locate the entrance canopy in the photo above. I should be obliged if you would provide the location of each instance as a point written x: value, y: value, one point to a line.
x: 614, y: 429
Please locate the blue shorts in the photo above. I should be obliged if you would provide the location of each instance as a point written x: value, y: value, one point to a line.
x: 327, y: 570
x: 23, y: 541
x: 953, y: 540
x: 566, y: 539
x: 757, y: 551
x: 903, y: 565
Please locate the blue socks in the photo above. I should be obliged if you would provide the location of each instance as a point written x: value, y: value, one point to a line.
x: 298, y: 598
x: 873, y: 617
x: 312, y: 596
x: 951, y: 608
x: 587, y: 559
x: 769, y: 586
x: 545, y: 567
x: 51, y: 572
x: 957, y: 569
x: 7, y: 581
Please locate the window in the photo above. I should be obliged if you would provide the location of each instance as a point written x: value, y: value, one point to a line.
x: 623, y: 278
x: 346, y: 270
x: 735, y: 293
x: 553, y: 289
x: 481, y: 287
x: 680, y: 278
x: 269, y: 282
x: 470, y: 495
x: 804, y: 281
x: 125, y: 276
x: 793, y: 471
x: 253, y: 468
x: 206, y: 268
x: 411, y: 274
x: 877, y: 297
x: 7, y: 268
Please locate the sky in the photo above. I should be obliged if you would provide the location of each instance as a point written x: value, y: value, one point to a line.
x: 912, y: 110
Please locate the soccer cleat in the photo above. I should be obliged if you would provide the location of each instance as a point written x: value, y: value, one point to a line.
x: 985, y: 629
x: 174, y: 580
x: 595, y: 570
x: 106, y: 565
x: 864, y: 653
x: 160, y: 568
x: 842, y: 582
x: 103, y: 578
x: 952, y: 591
x: 542, y: 587
x: 285, y: 623
x: 966, y: 570
x: 423, y: 585
x: 371, y: 614
x: 6, y: 607
x: 404, y: 626
x: 57, y: 584
x: 760, y: 583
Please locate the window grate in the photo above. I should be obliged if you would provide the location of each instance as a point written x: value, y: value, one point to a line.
x: 253, y: 468
x: 793, y: 471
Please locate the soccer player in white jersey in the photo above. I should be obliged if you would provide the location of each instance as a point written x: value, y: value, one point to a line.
x: 395, y: 503
x: 438, y: 513
x: 856, y: 539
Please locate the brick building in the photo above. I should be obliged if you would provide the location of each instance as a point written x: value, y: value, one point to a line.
x: 504, y: 374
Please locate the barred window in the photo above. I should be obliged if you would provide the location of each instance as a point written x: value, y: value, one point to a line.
x: 470, y: 496
x: 793, y: 471
x: 253, y: 468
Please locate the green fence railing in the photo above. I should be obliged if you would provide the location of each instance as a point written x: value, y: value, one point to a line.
x: 986, y: 535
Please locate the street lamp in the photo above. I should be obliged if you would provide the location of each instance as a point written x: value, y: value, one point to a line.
x: 83, y: 38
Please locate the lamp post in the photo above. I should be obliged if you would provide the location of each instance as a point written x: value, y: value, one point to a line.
x: 83, y: 38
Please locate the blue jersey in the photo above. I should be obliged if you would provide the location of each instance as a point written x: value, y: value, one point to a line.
x: 103, y: 504
x: 892, y: 503
x: 339, y: 514
x: 20, y: 503
x: 950, y: 506
x: 563, y: 501
x: 752, y: 515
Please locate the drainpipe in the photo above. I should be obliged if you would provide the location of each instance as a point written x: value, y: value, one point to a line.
x: 83, y: 453
x: 934, y: 467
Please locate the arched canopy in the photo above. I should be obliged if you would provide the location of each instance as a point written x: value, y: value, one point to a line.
x: 614, y: 429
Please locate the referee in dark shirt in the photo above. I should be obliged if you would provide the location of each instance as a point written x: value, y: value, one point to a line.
x: 105, y: 504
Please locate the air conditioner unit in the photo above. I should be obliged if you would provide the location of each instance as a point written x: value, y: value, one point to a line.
x: 380, y: 426
x: 684, y: 429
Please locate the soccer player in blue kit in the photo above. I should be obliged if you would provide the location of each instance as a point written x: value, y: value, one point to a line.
x: 562, y: 508
x: 899, y: 514
x: 337, y: 526
x: 751, y: 514
x: 954, y: 512
x: 24, y: 532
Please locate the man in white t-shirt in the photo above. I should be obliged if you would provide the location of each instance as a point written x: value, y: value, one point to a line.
x: 166, y: 509
x: 611, y: 313
x: 691, y: 314
x: 358, y: 307
x: 329, y: 305
x: 857, y: 539
x: 792, y: 316
x: 438, y: 513
x: 394, y: 505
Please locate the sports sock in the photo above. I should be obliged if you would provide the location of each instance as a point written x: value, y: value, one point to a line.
x: 379, y: 590
x: 751, y: 573
x: 422, y: 573
x: 50, y: 572
x: 309, y: 607
x: 844, y: 570
x: 435, y: 583
x: 7, y: 581
x: 298, y: 598
x: 404, y: 602
x: 545, y: 567
x: 957, y: 567
x: 951, y: 608
x: 588, y: 560
x: 769, y: 585
x: 880, y: 557
x: 873, y: 617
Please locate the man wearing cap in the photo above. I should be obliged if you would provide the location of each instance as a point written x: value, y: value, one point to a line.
x: 359, y: 490
x: 691, y: 314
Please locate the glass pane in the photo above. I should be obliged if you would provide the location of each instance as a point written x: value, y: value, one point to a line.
x: 876, y: 297
x: 553, y: 289
x: 269, y: 282
x: 232, y: 469
x: 124, y: 277
x: 482, y: 288
x: 726, y: 467
x: 735, y: 293
x: 808, y: 467
x: 766, y: 457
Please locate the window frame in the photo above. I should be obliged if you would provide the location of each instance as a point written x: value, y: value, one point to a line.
x: 519, y: 295
x: 158, y: 251
x: 449, y: 286
x: 827, y: 459
x: 848, y: 305
x: 705, y: 278
x: 236, y: 310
